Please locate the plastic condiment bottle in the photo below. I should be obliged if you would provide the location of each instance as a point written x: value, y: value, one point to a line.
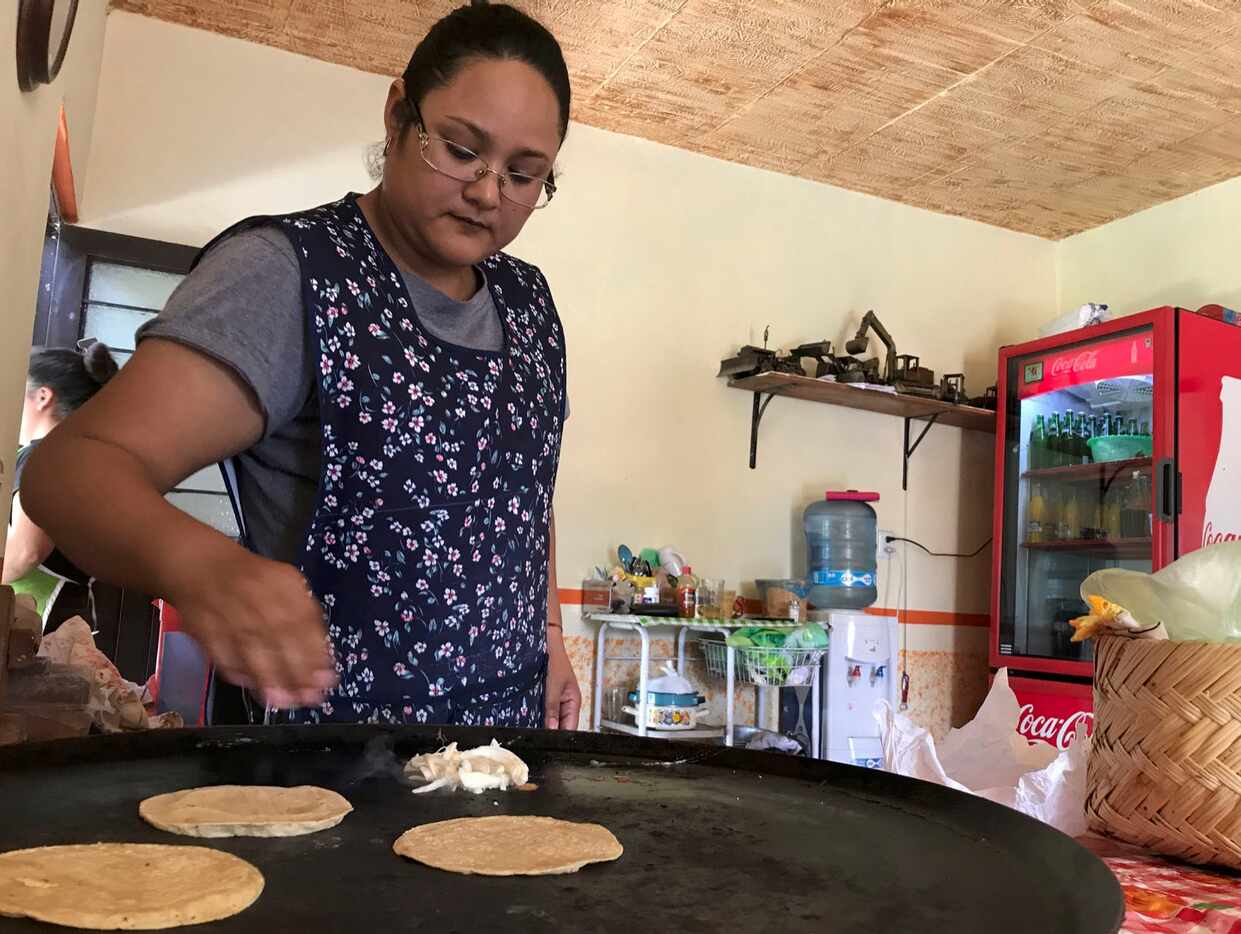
x: 687, y: 594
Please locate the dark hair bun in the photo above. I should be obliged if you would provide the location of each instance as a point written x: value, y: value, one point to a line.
x: 100, y: 365
x: 488, y: 31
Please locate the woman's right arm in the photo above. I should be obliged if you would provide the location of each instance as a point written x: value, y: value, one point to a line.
x: 96, y: 485
x: 26, y: 546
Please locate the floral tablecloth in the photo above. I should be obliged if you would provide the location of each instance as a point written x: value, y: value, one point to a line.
x: 1164, y: 897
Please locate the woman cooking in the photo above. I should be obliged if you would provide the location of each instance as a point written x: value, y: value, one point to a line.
x: 392, y: 388
x: 58, y: 382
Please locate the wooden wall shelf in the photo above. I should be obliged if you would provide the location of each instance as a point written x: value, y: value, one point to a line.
x: 870, y: 400
x: 910, y: 408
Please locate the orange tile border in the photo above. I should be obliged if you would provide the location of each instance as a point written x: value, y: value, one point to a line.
x: 934, y: 617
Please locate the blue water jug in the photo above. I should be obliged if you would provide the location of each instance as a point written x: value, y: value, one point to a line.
x: 840, y: 546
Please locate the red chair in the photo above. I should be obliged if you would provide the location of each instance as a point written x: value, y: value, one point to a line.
x: 183, y: 674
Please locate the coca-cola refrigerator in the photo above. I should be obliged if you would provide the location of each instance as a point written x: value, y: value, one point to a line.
x: 1118, y: 445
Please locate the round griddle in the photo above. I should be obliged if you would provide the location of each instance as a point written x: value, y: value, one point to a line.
x: 715, y: 839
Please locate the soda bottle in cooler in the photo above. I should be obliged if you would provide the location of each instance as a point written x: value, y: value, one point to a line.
x: 1052, y: 456
x: 1066, y: 515
x: 1095, y: 515
x: 1079, y: 443
x: 1038, y: 444
x: 1111, y: 512
x: 1067, y: 442
x: 1068, y: 447
x: 1087, y: 434
x: 1134, y: 508
x: 1036, y: 514
x: 1072, y: 521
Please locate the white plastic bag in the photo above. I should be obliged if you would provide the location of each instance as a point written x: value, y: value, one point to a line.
x: 989, y: 758
x: 1085, y: 316
x: 670, y: 682
x: 1195, y: 597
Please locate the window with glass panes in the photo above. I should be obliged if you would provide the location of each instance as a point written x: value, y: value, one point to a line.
x: 120, y: 283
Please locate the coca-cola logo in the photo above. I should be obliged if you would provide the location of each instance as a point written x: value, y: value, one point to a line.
x: 1082, y: 362
x: 1059, y: 731
x: 1212, y: 537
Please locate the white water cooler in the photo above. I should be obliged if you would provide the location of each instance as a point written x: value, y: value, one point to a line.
x: 861, y: 667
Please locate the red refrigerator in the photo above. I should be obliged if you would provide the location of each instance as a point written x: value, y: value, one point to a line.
x: 1117, y: 446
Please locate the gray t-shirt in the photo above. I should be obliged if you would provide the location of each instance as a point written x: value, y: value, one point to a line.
x: 242, y: 306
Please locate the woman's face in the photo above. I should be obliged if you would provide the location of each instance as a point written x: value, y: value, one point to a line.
x: 505, y: 112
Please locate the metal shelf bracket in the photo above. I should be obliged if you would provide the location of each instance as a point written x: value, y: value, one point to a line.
x: 760, y: 406
x: 908, y: 448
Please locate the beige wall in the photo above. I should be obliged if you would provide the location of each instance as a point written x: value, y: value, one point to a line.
x: 661, y: 262
x: 28, y: 124
x: 1182, y: 253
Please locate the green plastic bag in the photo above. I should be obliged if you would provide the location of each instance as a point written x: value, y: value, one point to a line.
x: 1197, y: 597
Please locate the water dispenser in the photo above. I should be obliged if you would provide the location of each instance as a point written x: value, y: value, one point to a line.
x: 841, y: 550
x: 862, y: 666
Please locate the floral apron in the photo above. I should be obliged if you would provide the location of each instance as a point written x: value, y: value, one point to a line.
x: 429, y: 542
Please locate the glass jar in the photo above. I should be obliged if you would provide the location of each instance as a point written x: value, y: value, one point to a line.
x: 710, y: 598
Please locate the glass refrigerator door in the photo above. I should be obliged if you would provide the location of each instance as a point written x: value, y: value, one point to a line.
x: 1077, y: 485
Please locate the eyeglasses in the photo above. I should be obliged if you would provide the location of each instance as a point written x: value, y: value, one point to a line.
x: 464, y: 165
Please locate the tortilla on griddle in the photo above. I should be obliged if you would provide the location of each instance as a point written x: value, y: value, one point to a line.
x: 245, y: 811
x: 508, y: 846
x: 125, y: 886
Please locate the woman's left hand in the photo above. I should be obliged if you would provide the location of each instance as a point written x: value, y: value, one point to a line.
x: 563, y: 698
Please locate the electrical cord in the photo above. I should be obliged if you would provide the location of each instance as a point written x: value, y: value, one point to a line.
x: 902, y: 617
x: 888, y: 539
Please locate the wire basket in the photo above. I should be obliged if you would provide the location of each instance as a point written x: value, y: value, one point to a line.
x: 762, y: 666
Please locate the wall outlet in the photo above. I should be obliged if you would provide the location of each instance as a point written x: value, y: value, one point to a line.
x: 884, y: 550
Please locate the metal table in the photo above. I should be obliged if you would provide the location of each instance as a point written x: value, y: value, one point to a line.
x: 715, y: 839
x: 643, y: 625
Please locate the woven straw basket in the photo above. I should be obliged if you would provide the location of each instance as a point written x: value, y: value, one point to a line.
x: 1165, y: 762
